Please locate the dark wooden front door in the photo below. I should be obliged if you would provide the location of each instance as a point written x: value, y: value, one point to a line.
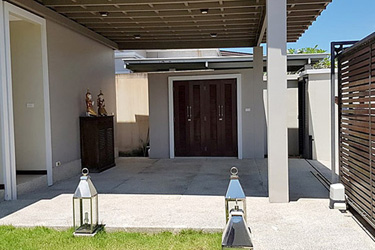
x: 205, y: 117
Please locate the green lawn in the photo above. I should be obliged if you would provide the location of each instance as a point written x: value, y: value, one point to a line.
x: 44, y: 238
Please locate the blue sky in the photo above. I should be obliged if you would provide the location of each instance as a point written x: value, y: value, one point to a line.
x: 343, y: 20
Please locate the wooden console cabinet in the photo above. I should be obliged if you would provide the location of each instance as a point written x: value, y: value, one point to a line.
x: 97, y: 143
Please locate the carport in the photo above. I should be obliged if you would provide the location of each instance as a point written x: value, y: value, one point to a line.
x: 166, y: 24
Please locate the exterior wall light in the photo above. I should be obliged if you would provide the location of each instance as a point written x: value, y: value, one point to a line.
x: 213, y: 35
x: 85, y: 207
x: 236, y: 234
x: 204, y: 11
x: 137, y: 36
x: 104, y: 14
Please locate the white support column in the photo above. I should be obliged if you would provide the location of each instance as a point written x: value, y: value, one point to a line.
x: 258, y: 64
x: 11, y: 168
x: 278, y: 180
x: 4, y: 129
x: 258, y: 108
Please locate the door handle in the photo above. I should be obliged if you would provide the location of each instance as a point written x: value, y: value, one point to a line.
x: 220, y: 113
x: 188, y: 114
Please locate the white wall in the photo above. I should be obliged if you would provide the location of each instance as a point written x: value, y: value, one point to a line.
x: 75, y: 64
x: 292, y: 120
x: 253, y: 122
x: 132, y: 110
x: 27, y: 83
x: 292, y: 116
x: 319, y: 99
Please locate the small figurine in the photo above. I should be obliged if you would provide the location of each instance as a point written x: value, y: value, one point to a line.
x: 90, y: 105
x: 101, y: 105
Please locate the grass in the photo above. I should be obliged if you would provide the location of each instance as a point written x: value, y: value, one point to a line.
x: 45, y: 238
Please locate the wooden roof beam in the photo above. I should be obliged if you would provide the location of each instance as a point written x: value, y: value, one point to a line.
x: 232, y: 11
x: 54, y: 3
x: 186, y: 24
x: 157, y: 18
x: 206, y: 28
x: 214, y: 8
x: 162, y: 21
x: 159, y: 7
x: 164, y: 33
x: 188, y: 44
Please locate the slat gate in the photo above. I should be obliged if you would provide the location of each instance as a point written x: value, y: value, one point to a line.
x: 356, y: 90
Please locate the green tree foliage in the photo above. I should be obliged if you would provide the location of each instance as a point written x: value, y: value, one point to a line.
x: 322, y: 64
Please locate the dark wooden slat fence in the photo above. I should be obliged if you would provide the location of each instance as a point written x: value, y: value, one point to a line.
x: 356, y: 90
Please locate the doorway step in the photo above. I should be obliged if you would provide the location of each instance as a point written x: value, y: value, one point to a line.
x: 29, y: 183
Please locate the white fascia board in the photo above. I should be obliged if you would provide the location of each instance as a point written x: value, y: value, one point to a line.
x: 127, y: 55
x: 315, y: 72
x: 290, y: 77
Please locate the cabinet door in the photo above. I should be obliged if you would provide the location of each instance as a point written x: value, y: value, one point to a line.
x: 110, y: 150
x: 105, y: 142
x: 102, y: 145
x: 89, y: 143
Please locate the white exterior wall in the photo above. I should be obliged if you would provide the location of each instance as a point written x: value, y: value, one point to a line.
x: 253, y: 122
x: 292, y: 115
x: 132, y: 111
x: 27, y: 88
x: 75, y: 63
x: 292, y: 119
x: 319, y: 100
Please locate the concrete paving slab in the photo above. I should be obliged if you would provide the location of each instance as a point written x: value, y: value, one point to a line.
x: 169, y: 195
x: 305, y: 224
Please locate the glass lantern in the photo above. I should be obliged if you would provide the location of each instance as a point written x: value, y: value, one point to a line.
x: 236, y: 233
x: 235, y: 196
x: 85, y: 207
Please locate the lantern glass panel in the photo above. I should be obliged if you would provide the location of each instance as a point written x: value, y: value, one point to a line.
x: 232, y: 203
x: 95, y: 213
x: 83, y: 215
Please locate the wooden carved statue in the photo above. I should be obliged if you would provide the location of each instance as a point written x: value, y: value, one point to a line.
x: 101, y: 105
x: 90, y: 105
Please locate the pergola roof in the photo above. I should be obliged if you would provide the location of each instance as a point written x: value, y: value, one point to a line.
x: 159, y: 24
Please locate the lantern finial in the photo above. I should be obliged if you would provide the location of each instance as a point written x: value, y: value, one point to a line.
x: 85, y: 171
x: 234, y: 173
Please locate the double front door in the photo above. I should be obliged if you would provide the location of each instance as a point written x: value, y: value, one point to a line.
x: 205, y: 117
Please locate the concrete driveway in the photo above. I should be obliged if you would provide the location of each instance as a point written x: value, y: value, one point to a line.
x: 148, y: 195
